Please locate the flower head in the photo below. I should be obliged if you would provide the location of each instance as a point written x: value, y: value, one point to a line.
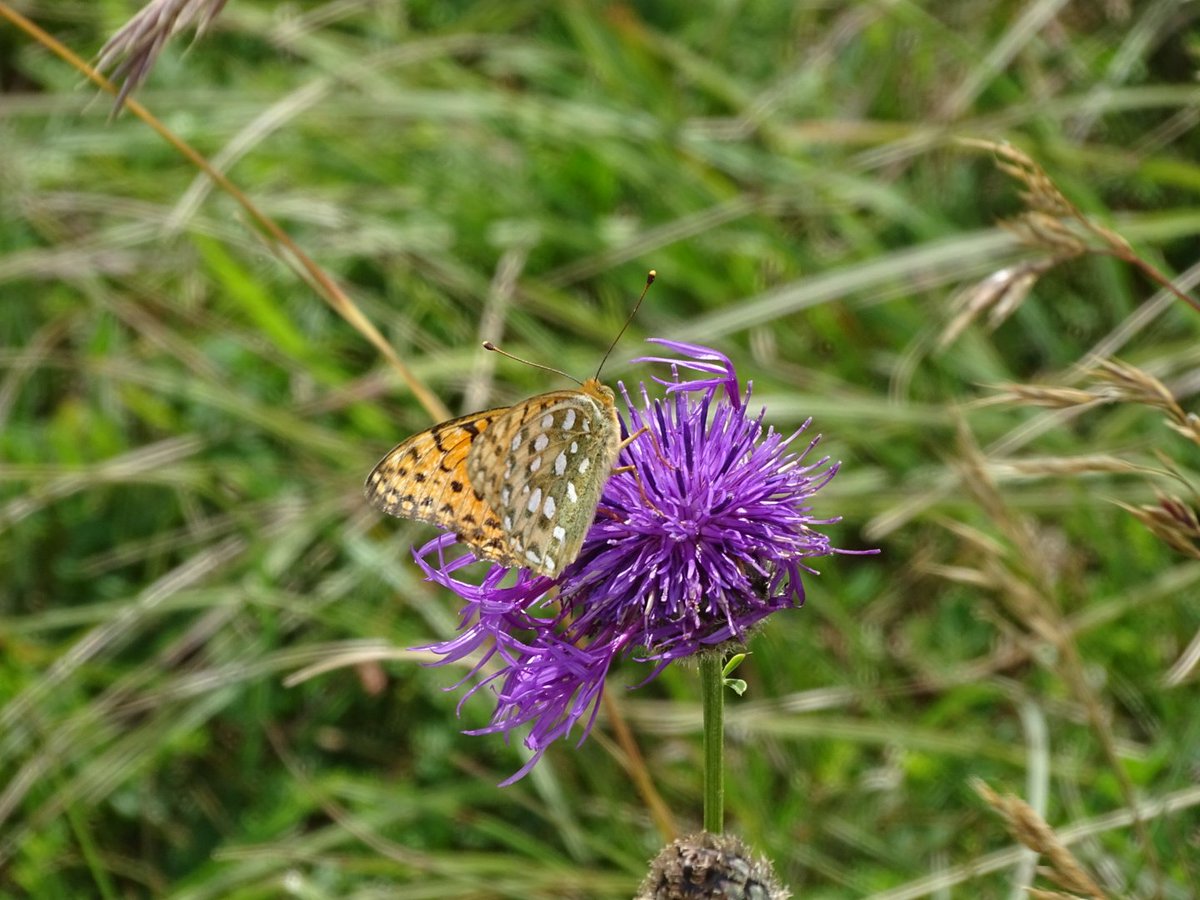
x: 702, y: 531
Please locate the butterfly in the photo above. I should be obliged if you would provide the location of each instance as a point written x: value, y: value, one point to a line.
x: 518, y: 484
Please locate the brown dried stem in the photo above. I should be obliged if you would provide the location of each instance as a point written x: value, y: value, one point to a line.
x: 284, y: 246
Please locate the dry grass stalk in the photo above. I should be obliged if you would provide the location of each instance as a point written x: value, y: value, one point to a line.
x: 1015, y: 567
x: 1172, y: 521
x: 135, y: 47
x: 1051, y: 225
x: 1092, y: 464
x: 999, y: 295
x: 1050, y: 222
x: 1114, y: 382
x: 1029, y: 577
x: 1050, y: 397
x: 1131, y: 384
x: 1031, y: 830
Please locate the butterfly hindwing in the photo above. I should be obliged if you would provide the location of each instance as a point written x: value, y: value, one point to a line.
x: 425, y: 478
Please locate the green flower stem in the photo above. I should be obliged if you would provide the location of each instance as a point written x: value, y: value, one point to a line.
x: 712, y: 689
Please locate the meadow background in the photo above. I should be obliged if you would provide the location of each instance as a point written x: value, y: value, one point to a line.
x: 205, y: 686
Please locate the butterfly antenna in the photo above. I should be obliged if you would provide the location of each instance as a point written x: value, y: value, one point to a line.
x: 488, y: 345
x: 650, y: 276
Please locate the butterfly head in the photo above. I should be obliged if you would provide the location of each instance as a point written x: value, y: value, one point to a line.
x: 601, y: 392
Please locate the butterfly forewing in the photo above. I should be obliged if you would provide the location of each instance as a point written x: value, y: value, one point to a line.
x: 425, y: 478
x: 542, y: 467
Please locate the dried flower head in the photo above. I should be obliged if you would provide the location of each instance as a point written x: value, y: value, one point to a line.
x: 702, y: 532
x: 707, y: 866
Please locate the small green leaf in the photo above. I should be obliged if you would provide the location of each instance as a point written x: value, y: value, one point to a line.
x: 734, y: 662
x: 737, y: 685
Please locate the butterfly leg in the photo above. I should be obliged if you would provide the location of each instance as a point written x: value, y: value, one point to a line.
x: 641, y: 487
x: 638, y: 478
x: 653, y: 440
x: 625, y: 443
x: 633, y: 437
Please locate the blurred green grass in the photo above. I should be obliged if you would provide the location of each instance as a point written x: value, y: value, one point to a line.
x: 185, y: 426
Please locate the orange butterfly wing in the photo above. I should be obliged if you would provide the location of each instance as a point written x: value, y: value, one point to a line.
x: 425, y: 478
x: 519, y: 484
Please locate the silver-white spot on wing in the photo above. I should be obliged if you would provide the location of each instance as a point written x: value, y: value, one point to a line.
x: 544, y: 496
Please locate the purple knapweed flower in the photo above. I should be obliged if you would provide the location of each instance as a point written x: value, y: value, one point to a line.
x: 707, y: 534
